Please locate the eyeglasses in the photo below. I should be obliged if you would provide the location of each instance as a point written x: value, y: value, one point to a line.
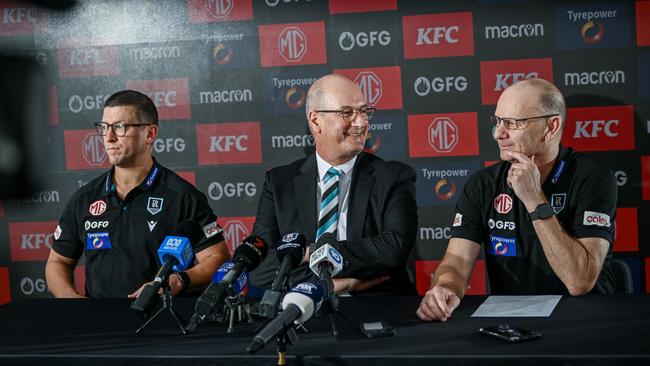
x: 119, y: 128
x: 516, y: 123
x: 349, y: 114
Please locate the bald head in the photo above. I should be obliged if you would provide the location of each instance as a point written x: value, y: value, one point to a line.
x: 321, y: 91
x: 541, y: 94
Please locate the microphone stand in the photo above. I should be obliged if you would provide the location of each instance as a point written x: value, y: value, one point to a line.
x: 235, y: 304
x: 167, y: 305
x: 330, y: 306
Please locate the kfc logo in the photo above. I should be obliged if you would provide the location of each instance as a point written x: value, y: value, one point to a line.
x: 84, y: 149
x: 207, y: 11
x: 18, y: 19
x: 600, y: 128
x: 229, y: 143
x: 31, y: 241
x: 450, y: 134
x: 77, y: 60
x: 171, y: 96
x: 438, y: 35
x: 626, y: 230
x: 97, y: 208
x: 357, y: 6
x: 496, y: 76
x: 381, y: 86
x: 292, y: 44
x: 236, y: 229
x: 503, y: 203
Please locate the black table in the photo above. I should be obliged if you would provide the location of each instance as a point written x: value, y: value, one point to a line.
x: 592, y: 329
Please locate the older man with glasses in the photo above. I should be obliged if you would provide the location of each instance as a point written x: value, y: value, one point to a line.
x: 544, y: 214
x: 366, y: 202
x: 119, y: 219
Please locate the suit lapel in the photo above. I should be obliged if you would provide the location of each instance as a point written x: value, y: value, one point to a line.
x: 362, y: 182
x: 305, y: 193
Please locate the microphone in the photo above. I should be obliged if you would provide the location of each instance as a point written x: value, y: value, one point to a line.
x: 248, y: 255
x: 299, y: 305
x: 290, y: 252
x: 326, y: 261
x: 175, y: 253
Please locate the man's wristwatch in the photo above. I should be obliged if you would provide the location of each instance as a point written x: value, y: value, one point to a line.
x: 185, y: 279
x: 543, y: 211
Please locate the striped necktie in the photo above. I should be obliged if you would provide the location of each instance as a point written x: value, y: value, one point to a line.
x: 328, y: 216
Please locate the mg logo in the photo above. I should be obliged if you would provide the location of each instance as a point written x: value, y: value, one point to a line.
x: 92, y: 149
x: 370, y: 85
x: 292, y: 44
x: 234, y: 232
x: 219, y: 8
x: 443, y: 134
x: 503, y: 203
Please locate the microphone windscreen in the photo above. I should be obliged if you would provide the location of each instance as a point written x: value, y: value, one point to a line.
x: 252, y: 251
x: 293, y: 245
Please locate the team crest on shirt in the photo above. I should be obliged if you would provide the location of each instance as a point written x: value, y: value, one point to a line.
x: 154, y: 205
x: 502, y: 246
x: 558, y: 201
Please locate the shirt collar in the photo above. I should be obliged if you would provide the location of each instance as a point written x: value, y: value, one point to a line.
x: 323, y: 166
x: 147, y: 184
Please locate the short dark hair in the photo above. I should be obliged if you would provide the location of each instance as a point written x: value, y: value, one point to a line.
x: 145, y: 110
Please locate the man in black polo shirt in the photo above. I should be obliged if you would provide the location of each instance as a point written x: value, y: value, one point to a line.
x: 544, y: 214
x: 119, y: 219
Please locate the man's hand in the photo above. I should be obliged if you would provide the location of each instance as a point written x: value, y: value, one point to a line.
x: 525, y: 179
x: 349, y: 284
x: 175, y: 285
x: 438, y: 304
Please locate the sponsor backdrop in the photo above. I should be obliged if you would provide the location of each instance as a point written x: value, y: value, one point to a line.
x: 229, y: 78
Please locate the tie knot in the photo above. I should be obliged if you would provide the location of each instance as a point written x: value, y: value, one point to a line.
x: 331, y: 172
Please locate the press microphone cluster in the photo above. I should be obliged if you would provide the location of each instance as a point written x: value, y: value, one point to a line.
x: 176, y: 254
x: 299, y: 305
x: 248, y: 255
x: 326, y: 261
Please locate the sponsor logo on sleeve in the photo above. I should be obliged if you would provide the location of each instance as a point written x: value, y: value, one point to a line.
x: 592, y: 218
x: 212, y: 229
x: 458, y: 220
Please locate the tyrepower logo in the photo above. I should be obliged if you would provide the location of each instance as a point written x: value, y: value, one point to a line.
x: 357, y: 6
x: 84, y: 149
x: 438, y: 35
x: 292, y: 44
x: 382, y: 86
x: 449, y: 134
x: 229, y: 143
x: 642, y: 24
x: 31, y: 241
x: 207, y: 11
x: 600, y: 128
x: 589, y: 26
x: 496, y: 76
x: 424, y: 269
x: 626, y: 230
x: 171, y: 96
x: 78, y: 60
x: 236, y: 229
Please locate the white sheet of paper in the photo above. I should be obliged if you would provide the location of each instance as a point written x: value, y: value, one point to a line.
x: 518, y: 306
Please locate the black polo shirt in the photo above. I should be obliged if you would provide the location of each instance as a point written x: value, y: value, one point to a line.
x: 583, y: 196
x: 120, y: 238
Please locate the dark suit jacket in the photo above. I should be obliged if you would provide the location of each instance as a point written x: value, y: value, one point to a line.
x: 382, y: 220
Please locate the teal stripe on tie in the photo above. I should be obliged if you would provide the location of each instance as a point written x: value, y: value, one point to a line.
x: 329, y: 198
x: 325, y: 226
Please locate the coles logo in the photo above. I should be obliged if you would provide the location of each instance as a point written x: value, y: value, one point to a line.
x: 77, y: 59
x: 438, y: 35
x: 596, y: 219
x: 626, y: 230
x: 357, y: 6
x: 171, y: 96
x: 292, y: 44
x: 206, y: 11
x: 381, y: 86
x: 503, y: 203
x: 84, y: 149
x: 600, y: 128
x: 425, y: 269
x: 229, y: 143
x: 18, y: 19
x: 450, y: 134
x: 642, y: 24
x: 236, y: 229
x: 97, y: 208
x: 31, y: 241
x: 496, y: 76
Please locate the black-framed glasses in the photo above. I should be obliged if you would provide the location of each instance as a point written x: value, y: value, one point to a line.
x: 516, y: 123
x: 119, y: 128
x: 350, y: 113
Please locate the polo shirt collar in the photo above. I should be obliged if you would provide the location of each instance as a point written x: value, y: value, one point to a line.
x: 153, y: 177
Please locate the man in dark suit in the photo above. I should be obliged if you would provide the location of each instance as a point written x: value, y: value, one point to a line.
x: 368, y: 203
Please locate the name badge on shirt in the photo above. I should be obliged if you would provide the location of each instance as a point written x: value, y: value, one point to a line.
x: 502, y: 246
x: 97, y: 241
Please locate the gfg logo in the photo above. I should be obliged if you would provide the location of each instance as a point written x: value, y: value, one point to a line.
x: 92, y: 149
x: 423, y: 86
x: 29, y: 286
x: 292, y: 44
x: 216, y: 190
x: 502, y: 225
x: 78, y: 103
x: 443, y: 134
x: 370, y: 85
x: 621, y: 177
x: 168, y: 145
x: 348, y: 40
x: 95, y: 225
